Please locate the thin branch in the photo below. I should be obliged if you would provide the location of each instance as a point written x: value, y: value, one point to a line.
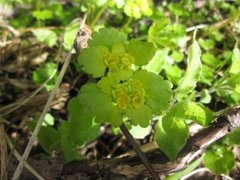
x: 139, y: 152
x: 21, y: 103
x: 27, y: 151
x: 3, y: 152
x: 18, y: 157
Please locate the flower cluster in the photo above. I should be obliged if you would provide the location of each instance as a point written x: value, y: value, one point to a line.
x: 123, y: 91
x: 116, y: 62
x: 130, y: 93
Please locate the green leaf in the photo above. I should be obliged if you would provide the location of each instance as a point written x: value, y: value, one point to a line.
x: 235, y: 66
x: 70, y: 35
x: 46, y: 36
x: 198, y: 113
x: 205, y: 96
x: 206, y: 75
x: 93, y: 98
x: 211, y: 60
x: 141, y: 116
x: 229, y: 89
x: 177, y: 56
x: 188, y: 82
x: 107, y: 37
x: 48, y: 137
x: 43, y: 15
x: 233, y: 138
x: 158, y: 92
x: 116, y: 117
x: 219, y: 160
x: 157, y: 62
x: 48, y: 120
x: 173, y: 73
x: 165, y: 34
x: 141, y: 51
x: 178, y: 9
x: 206, y: 43
x: 80, y: 128
x: 43, y: 73
x: 68, y: 144
x: 91, y: 60
x: 171, y: 135
x: 140, y: 133
x: 192, y: 111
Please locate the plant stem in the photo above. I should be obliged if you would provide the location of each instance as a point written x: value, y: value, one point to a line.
x: 139, y: 152
x: 99, y: 14
x: 127, y: 23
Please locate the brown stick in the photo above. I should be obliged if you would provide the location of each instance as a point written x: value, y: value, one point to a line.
x: 3, y: 152
x: 139, y: 152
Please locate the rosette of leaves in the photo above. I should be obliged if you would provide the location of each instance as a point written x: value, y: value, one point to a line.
x: 126, y: 95
x: 109, y: 51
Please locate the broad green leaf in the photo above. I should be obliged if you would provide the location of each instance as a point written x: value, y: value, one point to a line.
x: 43, y: 73
x: 80, y: 126
x: 211, y: 60
x: 140, y: 133
x: 206, y: 75
x: 68, y: 144
x: 198, y: 113
x: 107, y: 37
x: 75, y: 137
x: 188, y: 82
x: 192, y: 111
x: 235, y: 66
x: 43, y: 15
x: 165, y: 34
x: 178, y: 9
x: 216, y: 35
x: 83, y: 111
x: 46, y: 36
x: 157, y: 62
x: 91, y: 60
x: 219, y: 160
x: 116, y: 118
x: 233, y: 138
x: 229, y: 89
x: 93, y: 99
x: 70, y: 35
x: 158, y: 92
x: 177, y: 56
x: 206, y: 43
x: 173, y: 73
x: 79, y: 114
x: 48, y: 137
x: 141, y: 51
x: 205, y: 96
x: 141, y: 116
x: 171, y: 135
x: 48, y: 120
